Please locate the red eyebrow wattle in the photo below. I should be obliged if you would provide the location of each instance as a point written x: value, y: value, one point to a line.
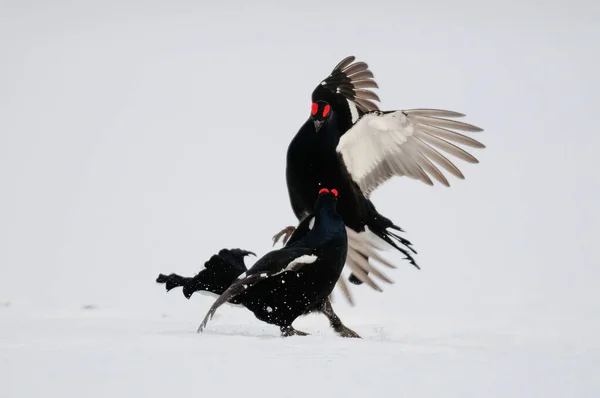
x: 326, y: 110
x: 323, y: 190
x: 314, y: 108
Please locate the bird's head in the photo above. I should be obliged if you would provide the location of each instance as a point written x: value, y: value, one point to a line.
x: 320, y: 113
x: 327, y: 220
x: 327, y: 199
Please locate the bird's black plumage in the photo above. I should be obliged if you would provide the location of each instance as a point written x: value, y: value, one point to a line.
x: 286, y: 283
x: 218, y: 274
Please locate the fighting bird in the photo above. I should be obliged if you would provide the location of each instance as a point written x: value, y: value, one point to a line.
x: 348, y: 142
x: 286, y: 283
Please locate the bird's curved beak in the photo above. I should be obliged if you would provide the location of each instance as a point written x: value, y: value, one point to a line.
x: 318, y: 125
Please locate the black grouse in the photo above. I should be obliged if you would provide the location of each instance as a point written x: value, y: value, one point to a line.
x: 286, y: 283
x: 349, y: 143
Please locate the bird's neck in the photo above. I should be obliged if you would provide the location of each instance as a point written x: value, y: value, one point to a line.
x: 329, y: 134
x: 325, y: 140
x: 328, y: 222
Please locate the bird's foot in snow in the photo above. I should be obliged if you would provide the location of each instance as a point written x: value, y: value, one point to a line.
x: 286, y: 233
x: 335, y: 321
x: 287, y: 331
x: 345, y: 331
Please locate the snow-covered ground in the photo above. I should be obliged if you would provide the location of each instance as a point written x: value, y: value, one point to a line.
x: 139, y: 138
x: 103, y: 353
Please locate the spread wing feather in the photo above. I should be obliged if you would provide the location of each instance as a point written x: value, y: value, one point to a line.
x: 410, y: 143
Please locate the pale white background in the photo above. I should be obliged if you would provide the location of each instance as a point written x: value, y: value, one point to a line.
x: 142, y: 137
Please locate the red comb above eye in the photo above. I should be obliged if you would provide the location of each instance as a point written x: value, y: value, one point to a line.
x: 323, y: 190
x: 314, y: 108
x: 326, y: 110
x: 334, y: 192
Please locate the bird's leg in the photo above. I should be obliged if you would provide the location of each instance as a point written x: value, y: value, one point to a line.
x: 287, y: 231
x: 287, y: 331
x: 335, y: 321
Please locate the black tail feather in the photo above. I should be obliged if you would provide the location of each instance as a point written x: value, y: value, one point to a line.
x: 387, y: 237
x: 219, y: 273
x: 172, y: 281
x: 379, y: 226
x: 397, y: 228
x: 402, y: 240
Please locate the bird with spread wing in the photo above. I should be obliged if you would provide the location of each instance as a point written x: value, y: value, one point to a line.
x: 349, y: 143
